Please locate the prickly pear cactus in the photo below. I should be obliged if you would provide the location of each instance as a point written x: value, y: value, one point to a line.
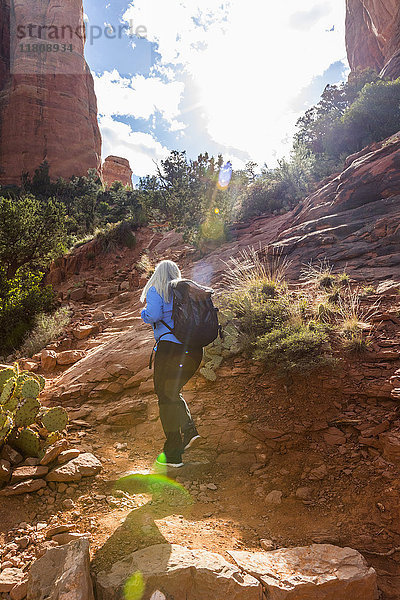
x: 55, y: 419
x: 52, y: 438
x: 25, y: 413
x: 5, y: 375
x: 8, y: 390
x: 28, y: 441
x: 22, y: 415
x: 30, y: 389
x: 40, y: 379
x: 5, y: 426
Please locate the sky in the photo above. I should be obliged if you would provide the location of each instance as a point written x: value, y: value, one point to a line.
x: 229, y: 77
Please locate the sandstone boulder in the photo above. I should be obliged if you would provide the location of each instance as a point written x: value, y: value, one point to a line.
x: 5, y: 470
x: 69, y: 357
x: 83, y: 331
x: 48, y: 359
x: 128, y: 411
x: 53, y: 451
x: 9, y: 454
x: 84, y: 465
x: 179, y: 573
x: 68, y: 455
x: 62, y: 572
x: 316, y: 572
x: 27, y: 472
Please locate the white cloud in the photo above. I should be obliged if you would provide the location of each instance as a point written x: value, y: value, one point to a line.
x: 138, y: 97
x: 248, y: 60
x: 141, y: 149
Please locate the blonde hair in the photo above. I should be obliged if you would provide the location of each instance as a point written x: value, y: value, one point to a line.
x: 165, y: 272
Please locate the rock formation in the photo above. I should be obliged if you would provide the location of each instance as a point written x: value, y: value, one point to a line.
x: 48, y: 108
x: 373, y: 35
x: 116, y: 169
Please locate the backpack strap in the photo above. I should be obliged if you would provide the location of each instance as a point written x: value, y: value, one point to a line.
x: 155, y: 346
x: 167, y: 326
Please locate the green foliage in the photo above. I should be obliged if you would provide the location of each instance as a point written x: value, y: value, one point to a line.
x: 292, y: 348
x: 87, y: 205
x: 117, y: 235
x: 31, y: 233
x: 349, y: 117
x: 259, y: 315
x: 186, y: 194
x: 318, y: 121
x: 22, y: 414
x: 279, y: 190
x: 276, y: 326
x: 374, y: 115
x: 21, y: 299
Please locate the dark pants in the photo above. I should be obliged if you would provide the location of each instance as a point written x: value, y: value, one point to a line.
x: 173, y: 367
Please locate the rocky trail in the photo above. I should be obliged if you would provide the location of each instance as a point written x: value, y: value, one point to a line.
x: 280, y: 465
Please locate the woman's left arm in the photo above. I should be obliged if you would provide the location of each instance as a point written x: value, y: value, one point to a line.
x: 153, y: 311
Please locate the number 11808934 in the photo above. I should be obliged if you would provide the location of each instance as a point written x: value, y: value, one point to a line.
x: 38, y: 48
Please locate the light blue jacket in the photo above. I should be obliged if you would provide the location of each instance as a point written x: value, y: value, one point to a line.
x: 157, y: 309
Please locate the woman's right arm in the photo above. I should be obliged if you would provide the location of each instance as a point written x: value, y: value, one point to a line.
x: 153, y: 311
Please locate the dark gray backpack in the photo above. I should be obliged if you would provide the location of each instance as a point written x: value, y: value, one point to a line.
x: 194, y: 314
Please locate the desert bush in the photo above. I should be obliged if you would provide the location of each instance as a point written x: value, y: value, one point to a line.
x: 300, y: 348
x: 47, y: 327
x: 117, y: 235
x: 21, y: 299
x: 276, y: 326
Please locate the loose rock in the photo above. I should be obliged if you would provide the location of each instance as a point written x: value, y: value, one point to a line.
x: 24, y: 487
x: 9, y: 578
x: 316, y: 572
x: 180, y: 573
x: 62, y: 572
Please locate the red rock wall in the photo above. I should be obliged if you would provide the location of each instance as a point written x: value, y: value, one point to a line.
x: 48, y: 108
x: 116, y: 169
x: 373, y: 35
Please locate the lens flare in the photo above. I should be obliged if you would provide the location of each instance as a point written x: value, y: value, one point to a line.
x: 225, y: 175
x: 139, y: 483
x: 134, y: 587
x: 216, y: 210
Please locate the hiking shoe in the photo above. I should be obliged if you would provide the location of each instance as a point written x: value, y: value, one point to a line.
x: 190, y: 438
x: 169, y: 461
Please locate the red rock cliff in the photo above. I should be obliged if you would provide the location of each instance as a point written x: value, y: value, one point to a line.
x: 48, y: 108
x: 116, y: 169
x: 373, y: 35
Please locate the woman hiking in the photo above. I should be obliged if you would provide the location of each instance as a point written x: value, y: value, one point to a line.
x: 174, y: 364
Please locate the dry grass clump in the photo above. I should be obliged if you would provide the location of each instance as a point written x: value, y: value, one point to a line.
x: 291, y: 328
x: 47, y: 328
x: 276, y: 325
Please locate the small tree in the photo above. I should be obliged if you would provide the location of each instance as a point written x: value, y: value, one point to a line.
x: 31, y: 232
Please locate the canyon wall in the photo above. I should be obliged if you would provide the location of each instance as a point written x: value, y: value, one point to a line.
x: 48, y: 108
x: 373, y: 35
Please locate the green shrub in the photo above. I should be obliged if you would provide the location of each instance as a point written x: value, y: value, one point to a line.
x: 294, y: 348
x: 21, y: 299
x: 256, y: 314
x: 117, y: 235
